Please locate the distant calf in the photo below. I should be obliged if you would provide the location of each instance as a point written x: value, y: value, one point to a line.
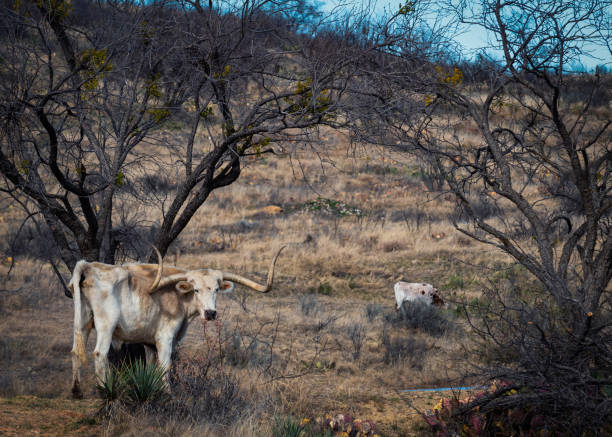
x: 416, y: 292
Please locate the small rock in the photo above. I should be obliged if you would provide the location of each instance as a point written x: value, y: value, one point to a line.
x: 272, y: 209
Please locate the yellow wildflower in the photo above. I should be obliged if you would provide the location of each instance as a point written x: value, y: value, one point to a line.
x: 438, y: 406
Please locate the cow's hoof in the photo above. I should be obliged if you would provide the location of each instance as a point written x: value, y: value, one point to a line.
x: 76, y: 392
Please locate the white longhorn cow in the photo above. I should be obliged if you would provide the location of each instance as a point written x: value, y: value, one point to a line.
x: 143, y: 303
x: 416, y: 292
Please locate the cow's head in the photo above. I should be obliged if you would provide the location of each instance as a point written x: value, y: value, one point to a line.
x: 436, y: 299
x: 205, y: 285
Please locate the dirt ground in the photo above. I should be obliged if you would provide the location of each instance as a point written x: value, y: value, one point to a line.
x: 36, y: 416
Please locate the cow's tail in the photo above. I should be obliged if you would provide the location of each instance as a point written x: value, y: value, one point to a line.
x: 79, y: 343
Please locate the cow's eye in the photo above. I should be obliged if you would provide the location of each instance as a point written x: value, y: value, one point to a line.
x: 196, y: 290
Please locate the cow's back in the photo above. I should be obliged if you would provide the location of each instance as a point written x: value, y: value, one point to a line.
x: 412, y: 291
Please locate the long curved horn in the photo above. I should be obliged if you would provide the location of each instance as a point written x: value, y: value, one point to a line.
x: 252, y: 284
x: 160, y: 267
x: 171, y: 280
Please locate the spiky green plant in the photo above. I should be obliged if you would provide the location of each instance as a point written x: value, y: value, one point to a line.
x: 143, y: 382
x: 287, y: 427
x: 112, y: 386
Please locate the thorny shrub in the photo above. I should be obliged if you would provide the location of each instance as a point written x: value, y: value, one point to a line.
x: 202, y: 392
x: 372, y: 311
x: 356, y: 334
x: 487, y: 414
x: 422, y: 316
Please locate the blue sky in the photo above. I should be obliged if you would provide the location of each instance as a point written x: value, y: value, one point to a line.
x: 474, y: 38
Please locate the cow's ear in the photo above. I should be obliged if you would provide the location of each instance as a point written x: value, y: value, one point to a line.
x: 226, y: 286
x: 184, y: 287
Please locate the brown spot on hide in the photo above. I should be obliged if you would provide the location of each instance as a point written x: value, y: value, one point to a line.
x: 86, y: 283
x: 169, y: 302
x: 148, y: 271
x: 143, y: 275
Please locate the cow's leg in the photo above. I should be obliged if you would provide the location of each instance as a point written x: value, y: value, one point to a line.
x: 149, y: 354
x: 164, y: 357
x: 116, y: 344
x: 101, y: 353
x: 84, y: 330
x: 104, y: 331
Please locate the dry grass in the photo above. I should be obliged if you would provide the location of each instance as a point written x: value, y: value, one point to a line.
x: 298, y: 362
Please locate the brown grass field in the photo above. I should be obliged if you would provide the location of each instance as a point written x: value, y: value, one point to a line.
x: 313, y: 345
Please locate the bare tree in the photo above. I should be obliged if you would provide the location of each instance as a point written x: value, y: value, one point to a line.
x: 91, y: 92
x: 517, y: 141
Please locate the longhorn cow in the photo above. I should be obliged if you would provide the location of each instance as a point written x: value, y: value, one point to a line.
x: 143, y: 303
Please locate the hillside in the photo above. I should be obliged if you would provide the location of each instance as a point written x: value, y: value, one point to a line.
x: 353, y: 228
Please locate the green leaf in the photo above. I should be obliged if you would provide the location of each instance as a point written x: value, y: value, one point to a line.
x: 120, y: 179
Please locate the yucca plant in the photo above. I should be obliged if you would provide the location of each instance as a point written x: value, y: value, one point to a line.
x: 112, y: 386
x: 143, y: 382
x: 287, y: 427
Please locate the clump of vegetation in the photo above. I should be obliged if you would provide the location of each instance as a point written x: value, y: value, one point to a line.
x: 372, y: 311
x: 112, y: 387
x: 325, y: 289
x: 403, y: 349
x: 451, y: 416
x: 341, y: 425
x: 356, y: 334
x: 332, y: 207
x: 202, y: 395
x: 454, y: 282
x: 309, y: 304
x: 142, y: 382
x: 422, y: 316
x: 133, y: 384
x: 197, y: 395
x: 287, y: 427
x: 241, y: 350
